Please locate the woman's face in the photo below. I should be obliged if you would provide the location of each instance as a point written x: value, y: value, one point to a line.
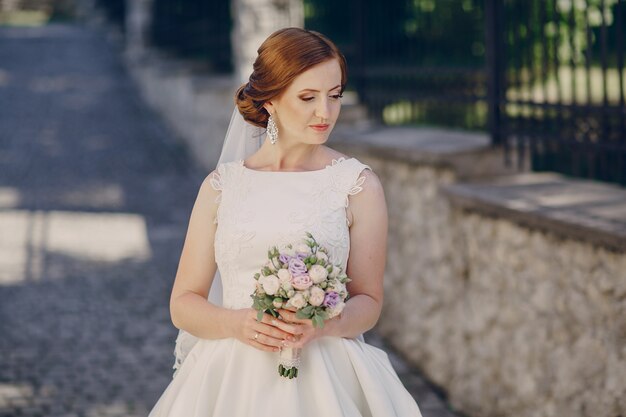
x: 307, y: 110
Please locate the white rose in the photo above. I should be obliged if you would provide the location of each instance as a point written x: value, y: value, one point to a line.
x: 339, y: 287
x: 283, y: 275
x: 333, y: 312
x: 297, y: 300
x: 271, y: 284
x: 318, y: 273
x: 334, y: 273
x: 321, y: 255
x: 303, y: 248
x: 291, y: 292
x: 288, y: 250
x: 317, y: 296
x: 286, y: 286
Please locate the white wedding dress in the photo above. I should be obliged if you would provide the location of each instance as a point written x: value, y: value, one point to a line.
x: 338, y: 377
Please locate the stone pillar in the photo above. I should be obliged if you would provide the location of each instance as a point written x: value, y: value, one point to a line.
x: 137, y: 26
x: 254, y: 21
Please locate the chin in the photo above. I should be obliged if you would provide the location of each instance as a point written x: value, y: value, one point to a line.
x: 319, y: 140
x: 319, y: 137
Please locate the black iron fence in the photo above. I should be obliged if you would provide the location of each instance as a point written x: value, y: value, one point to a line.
x: 115, y: 10
x: 192, y: 29
x: 411, y: 61
x: 197, y: 29
x: 557, y: 75
x: 543, y: 76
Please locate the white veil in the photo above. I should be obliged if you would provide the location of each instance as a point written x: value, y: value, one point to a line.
x: 242, y: 140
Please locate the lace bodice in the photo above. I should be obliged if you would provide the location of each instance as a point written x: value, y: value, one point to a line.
x: 261, y: 209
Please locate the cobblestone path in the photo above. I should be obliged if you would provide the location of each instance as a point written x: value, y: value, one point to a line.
x: 95, y: 195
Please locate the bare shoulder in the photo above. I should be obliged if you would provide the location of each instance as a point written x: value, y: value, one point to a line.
x: 372, y: 187
x: 368, y: 204
x: 211, y: 186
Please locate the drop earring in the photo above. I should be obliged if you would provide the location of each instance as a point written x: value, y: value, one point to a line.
x: 272, y: 130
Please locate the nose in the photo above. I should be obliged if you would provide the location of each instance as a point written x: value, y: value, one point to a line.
x: 322, y: 110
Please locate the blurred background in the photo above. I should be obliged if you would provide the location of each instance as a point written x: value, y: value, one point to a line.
x: 505, y: 67
x: 497, y: 128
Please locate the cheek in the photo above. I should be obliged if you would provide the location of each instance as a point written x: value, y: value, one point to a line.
x: 336, y: 107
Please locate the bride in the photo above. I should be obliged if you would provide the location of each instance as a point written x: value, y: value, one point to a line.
x: 276, y: 180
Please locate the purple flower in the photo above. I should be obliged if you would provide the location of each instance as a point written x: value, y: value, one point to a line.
x: 284, y: 259
x: 297, y: 267
x: 302, y: 256
x: 331, y: 299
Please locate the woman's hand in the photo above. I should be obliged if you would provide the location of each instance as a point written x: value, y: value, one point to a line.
x: 308, y: 331
x: 269, y: 334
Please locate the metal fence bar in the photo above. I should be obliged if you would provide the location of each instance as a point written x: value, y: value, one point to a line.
x: 493, y: 13
x: 581, y: 131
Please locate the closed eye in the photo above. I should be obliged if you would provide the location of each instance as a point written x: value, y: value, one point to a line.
x: 334, y: 97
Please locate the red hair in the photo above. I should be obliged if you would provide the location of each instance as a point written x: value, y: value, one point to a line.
x: 283, y: 56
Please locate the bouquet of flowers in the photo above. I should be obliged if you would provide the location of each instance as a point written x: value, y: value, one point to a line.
x: 300, y: 276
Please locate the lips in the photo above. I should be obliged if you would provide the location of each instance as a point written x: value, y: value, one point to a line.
x: 319, y: 128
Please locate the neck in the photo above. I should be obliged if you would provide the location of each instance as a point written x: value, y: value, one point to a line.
x: 283, y: 156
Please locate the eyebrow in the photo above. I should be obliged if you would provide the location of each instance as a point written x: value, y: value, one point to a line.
x: 317, y: 91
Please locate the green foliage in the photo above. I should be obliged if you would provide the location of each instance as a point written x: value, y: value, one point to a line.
x: 263, y: 304
x: 316, y: 314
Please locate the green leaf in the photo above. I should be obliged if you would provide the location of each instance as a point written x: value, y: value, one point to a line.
x: 318, y: 321
x: 305, y: 313
x: 259, y: 315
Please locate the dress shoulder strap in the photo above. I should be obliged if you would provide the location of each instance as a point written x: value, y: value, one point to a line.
x: 224, y: 174
x: 222, y: 179
x: 348, y: 179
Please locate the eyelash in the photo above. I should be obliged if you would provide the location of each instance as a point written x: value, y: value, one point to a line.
x: 336, y: 97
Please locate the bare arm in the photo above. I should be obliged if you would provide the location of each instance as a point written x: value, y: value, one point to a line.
x: 189, y: 308
x: 366, y: 265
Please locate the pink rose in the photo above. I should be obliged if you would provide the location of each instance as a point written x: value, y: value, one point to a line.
x: 301, y: 282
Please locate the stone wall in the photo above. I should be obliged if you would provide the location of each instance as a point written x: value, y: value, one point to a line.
x: 509, y: 320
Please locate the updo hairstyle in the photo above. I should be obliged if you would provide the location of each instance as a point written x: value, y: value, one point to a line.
x: 283, y: 56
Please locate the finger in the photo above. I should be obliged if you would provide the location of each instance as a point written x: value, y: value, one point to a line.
x: 275, y: 332
x: 263, y: 347
x: 301, y: 342
x: 291, y: 317
x: 272, y: 332
x: 290, y: 329
x: 267, y: 340
x: 287, y: 315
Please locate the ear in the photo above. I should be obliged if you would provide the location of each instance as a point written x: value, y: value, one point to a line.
x: 269, y: 106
